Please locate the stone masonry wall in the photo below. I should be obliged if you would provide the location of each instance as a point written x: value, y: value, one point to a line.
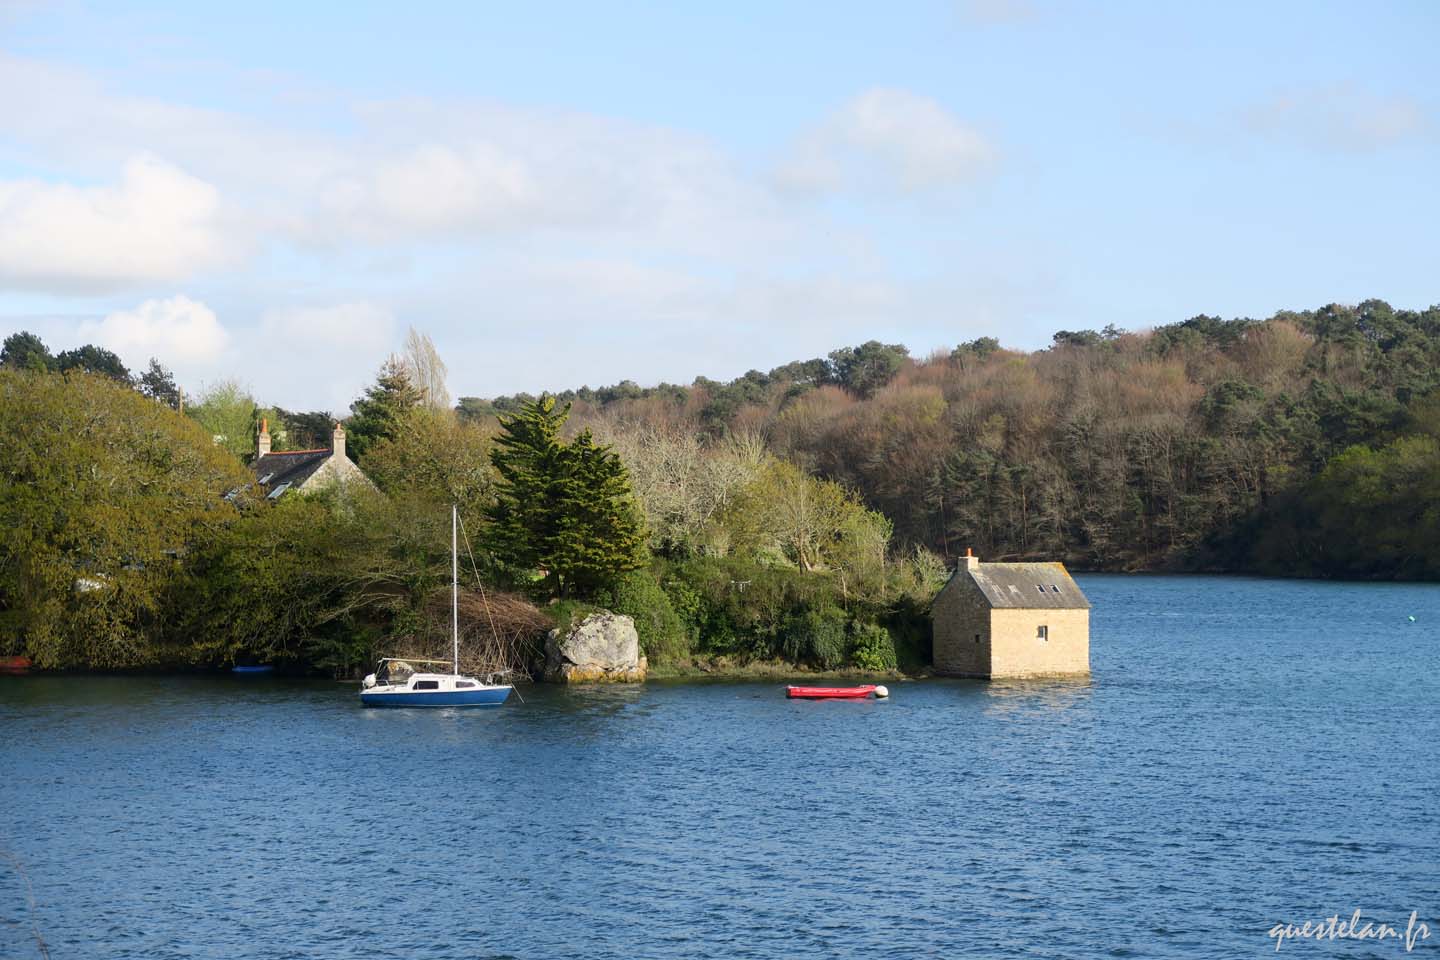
x: 1017, y: 650
x: 959, y: 614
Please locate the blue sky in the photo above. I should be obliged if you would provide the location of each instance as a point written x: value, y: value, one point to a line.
x: 569, y: 194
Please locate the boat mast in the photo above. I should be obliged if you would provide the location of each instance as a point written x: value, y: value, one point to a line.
x: 455, y: 582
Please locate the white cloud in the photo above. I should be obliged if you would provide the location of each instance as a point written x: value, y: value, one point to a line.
x: 1340, y: 118
x: 177, y: 331
x: 156, y: 223
x: 888, y: 137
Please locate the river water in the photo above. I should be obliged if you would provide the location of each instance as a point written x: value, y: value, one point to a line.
x: 1247, y: 753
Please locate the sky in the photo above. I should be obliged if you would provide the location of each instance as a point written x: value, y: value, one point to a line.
x: 578, y: 194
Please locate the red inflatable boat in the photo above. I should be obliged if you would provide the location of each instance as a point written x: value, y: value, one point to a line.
x: 835, y: 693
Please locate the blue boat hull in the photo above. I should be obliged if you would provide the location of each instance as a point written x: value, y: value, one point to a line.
x: 438, y: 698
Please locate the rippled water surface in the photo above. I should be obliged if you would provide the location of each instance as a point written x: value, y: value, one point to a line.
x: 1247, y: 752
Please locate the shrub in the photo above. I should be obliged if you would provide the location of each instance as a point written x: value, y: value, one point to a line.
x: 663, y: 634
x: 816, y: 635
x: 873, y: 649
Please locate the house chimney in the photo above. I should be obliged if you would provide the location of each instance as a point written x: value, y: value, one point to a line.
x: 972, y: 562
x: 262, y: 442
x: 337, y: 441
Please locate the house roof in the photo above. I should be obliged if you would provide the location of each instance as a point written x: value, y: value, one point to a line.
x: 1027, y: 585
x: 290, y: 468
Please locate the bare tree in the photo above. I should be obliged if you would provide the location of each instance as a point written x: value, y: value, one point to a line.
x: 427, y: 371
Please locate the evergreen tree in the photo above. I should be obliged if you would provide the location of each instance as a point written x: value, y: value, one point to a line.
x: 157, y: 383
x: 25, y: 351
x: 566, y: 509
x: 93, y: 359
x: 306, y: 431
x: 864, y: 369
x: 382, y: 413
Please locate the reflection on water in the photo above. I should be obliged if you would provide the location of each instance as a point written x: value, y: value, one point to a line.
x: 1050, y: 695
x: 1199, y: 788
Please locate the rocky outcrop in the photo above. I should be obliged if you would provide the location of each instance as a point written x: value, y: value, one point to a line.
x: 602, y: 648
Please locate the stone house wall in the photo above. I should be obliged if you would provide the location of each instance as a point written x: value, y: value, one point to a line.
x: 960, y: 615
x: 1018, y: 651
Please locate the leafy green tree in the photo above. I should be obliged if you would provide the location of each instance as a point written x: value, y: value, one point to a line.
x: 440, y: 458
x: 93, y: 359
x: 562, y: 508
x: 865, y: 369
x: 26, y: 351
x: 384, y: 412
x: 815, y: 524
x: 102, y: 493
x: 228, y: 413
x: 158, y: 384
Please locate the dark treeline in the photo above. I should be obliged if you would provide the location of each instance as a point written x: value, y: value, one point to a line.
x: 1304, y: 444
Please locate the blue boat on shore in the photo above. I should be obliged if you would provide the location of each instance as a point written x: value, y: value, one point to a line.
x: 259, y: 668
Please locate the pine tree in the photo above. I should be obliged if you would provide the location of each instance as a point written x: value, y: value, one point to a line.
x: 158, y: 384
x: 566, y: 509
x: 25, y: 351
x: 382, y: 413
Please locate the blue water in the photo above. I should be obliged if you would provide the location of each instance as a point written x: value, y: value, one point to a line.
x: 1247, y: 752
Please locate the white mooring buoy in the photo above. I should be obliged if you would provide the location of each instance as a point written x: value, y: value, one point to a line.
x: 881, y: 693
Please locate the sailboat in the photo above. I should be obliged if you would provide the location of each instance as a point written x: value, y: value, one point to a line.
x: 397, y: 683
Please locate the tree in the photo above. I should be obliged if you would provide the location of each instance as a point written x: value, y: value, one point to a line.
x: 564, y: 509
x: 26, y: 351
x: 102, y: 493
x: 865, y: 369
x: 227, y: 412
x: 311, y: 430
x: 440, y: 458
x: 385, y: 409
x: 981, y: 348
x: 158, y: 384
x: 814, y: 524
x: 427, y: 371
x: 93, y: 359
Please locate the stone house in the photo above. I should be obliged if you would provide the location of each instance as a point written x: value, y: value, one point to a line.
x: 1006, y: 620
x: 304, y: 470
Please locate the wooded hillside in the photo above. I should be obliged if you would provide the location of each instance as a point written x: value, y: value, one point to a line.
x: 1304, y: 444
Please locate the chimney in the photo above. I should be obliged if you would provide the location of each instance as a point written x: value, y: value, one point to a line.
x: 337, y: 441
x: 972, y: 562
x: 262, y: 442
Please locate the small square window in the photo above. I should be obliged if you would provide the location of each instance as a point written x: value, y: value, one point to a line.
x: 1040, y: 587
x: 1054, y: 589
x: 977, y: 638
x: 1043, y: 633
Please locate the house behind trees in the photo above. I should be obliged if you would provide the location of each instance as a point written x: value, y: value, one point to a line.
x: 1011, y: 620
x: 305, y: 470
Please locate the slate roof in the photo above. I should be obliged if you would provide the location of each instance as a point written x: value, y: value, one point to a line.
x: 1027, y: 585
x: 293, y: 467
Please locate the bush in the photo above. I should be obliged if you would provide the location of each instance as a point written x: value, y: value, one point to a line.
x: 908, y: 623
x: 663, y: 635
x: 873, y: 649
x: 817, y: 636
